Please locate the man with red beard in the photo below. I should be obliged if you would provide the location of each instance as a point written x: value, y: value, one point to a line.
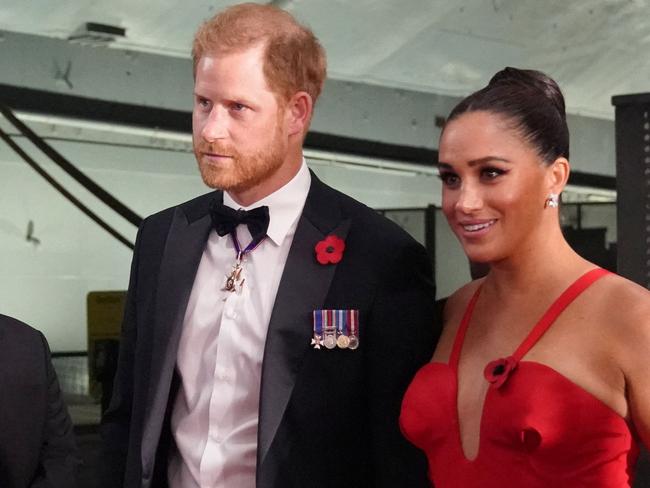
x: 272, y: 325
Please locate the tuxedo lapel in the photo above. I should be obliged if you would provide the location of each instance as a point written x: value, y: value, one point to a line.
x: 186, y: 240
x: 302, y: 289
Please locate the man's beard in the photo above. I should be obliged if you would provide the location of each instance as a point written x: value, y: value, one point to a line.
x: 243, y: 171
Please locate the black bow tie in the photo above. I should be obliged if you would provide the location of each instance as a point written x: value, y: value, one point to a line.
x: 225, y: 219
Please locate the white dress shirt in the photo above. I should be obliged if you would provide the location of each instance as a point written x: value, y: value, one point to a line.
x: 215, y: 414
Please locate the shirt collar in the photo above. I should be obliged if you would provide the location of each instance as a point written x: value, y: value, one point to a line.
x: 285, y: 204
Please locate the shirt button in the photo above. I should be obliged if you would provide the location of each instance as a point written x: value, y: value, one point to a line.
x: 221, y: 374
x: 231, y: 314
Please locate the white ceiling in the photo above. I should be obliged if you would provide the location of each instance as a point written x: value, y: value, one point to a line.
x: 594, y: 48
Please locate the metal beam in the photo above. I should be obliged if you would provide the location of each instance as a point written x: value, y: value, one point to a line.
x: 113, y: 78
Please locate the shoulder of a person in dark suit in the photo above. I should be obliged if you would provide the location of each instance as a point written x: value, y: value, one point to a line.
x: 14, y: 333
x: 192, y: 209
x: 26, y: 350
x: 154, y: 228
x: 373, y: 225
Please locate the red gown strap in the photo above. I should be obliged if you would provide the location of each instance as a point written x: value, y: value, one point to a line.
x: 462, y: 330
x: 556, y: 308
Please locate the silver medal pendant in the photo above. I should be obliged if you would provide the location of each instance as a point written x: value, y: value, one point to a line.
x: 329, y: 335
x: 234, y: 281
x: 329, y: 341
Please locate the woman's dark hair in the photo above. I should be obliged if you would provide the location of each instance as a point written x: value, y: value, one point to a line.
x: 529, y: 99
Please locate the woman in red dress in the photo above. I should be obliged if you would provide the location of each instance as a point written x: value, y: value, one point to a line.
x: 542, y: 375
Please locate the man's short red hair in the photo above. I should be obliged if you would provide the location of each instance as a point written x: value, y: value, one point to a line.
x: 294, y: 60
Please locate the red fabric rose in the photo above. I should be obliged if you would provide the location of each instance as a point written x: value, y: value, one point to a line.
x: 497, y: 371
x: 330, y: 250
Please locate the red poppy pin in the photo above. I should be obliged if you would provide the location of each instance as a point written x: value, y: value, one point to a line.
x: 330, y: 250
x: 497, y: 371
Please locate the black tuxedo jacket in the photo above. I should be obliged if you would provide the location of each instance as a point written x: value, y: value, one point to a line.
x: 37, y: 447
x: 328, y: 418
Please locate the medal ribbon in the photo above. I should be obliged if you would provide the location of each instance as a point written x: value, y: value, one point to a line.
x: 353, y: 318
x: 318, y: 322
x: 231, y: 279
x: 340, y: 319
x: 252, y: 245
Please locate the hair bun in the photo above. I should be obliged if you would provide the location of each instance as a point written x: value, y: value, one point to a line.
x: 530, y: 79
x: 534, y: 104
x: 511, y: 76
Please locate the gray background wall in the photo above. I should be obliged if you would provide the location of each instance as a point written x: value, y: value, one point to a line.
x: 46, y: 284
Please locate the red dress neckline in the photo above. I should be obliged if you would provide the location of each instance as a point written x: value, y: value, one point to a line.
x: 537, y: 427
x: 552, y: 313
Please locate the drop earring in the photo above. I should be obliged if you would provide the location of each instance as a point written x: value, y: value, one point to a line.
x: 553, y: 201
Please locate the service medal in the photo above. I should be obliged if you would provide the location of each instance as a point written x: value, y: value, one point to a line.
x: 343, y: 341
x: 234, y: 281
x: 329, y: 329
x: 329, y: 341
x: 340, y: 319
x: 316, y: 341
x: 353, y: 328
x: 336, y: 328
x: 317, y: 338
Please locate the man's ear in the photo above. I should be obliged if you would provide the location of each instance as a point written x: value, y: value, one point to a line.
x: 299, y: 110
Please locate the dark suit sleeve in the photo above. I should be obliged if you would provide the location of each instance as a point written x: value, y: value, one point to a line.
x: 116, y: 420
x: 401, y: 337
x: 58, y: 460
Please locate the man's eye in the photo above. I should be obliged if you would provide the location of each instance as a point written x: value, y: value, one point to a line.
x: 203, y: 102
x: 238, y: 107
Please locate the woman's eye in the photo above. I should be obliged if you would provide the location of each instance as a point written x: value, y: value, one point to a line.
x: 449, y: 179
x: 492, y: 173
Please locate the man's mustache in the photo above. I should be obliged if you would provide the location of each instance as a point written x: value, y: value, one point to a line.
x: 214, y: 148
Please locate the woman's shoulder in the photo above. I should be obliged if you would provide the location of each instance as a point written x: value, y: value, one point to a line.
x: 623, y: 309
x: 624, y: 298
x: 450, y: 315
x: 458, y: 301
